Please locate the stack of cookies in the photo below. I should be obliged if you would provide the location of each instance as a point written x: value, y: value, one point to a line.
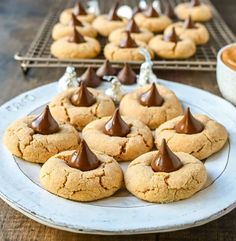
x: 81, y: 137
x: 78, y: 34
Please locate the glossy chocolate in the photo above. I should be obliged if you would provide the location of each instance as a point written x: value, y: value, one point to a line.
x: 83, y: 97
x: 112, y: 15
x: 172, y: 36
x: 195, y: 3
x: 151, y: 12
x: 188, y: 23
x: 45, y: 124
x: 165, y: 160
x: 79, y: 9
x: 76, y: 37
x: 75, y: 21
x: 169, y: 11
x: 128, y: 42
x: 127, y: 76
x: 90, y: 78
x: 189, y: 124
x: 132, y: 27
x: 116, y: 126
x: 105, y: 69
x: 84, y: 159
x: 151, y: 97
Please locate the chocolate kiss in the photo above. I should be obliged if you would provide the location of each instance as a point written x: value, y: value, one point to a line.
x: 195, y: 3
x: 189, y: 124
x: 132, y: 27
x: 136, y: 10
x: 169, y: 10
x: 75, y: 21
x: 127, y: 76
x: 84, y: 159
x: 90, y: 78
x: 172, y: 36
x: 128, y: 42
x: 79, y: 9
x: 112, y: 15
x: 83, y: 97
x: 76, y: 37
x: 151, y: 12
x: 151, y: 97
x: 188, y: 23
x: 116, y: 126
x: 165, y: 160
x: 106, y: 69
x: 45, y: 124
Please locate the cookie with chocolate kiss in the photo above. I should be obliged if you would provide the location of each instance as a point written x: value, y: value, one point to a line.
x: 45, y: 124
x: 189, y: 124
x: 172, y: 36
x: 188, y: 23
x: 116, y: 126
x: 83, y: 158
x: 128, y: 42
x: 127, y: 76
x: 132, y: 27
x: 112, y: 15
x: 151, y: 97
x: 83, y: 97
x: 165, y: 160
x: 106, y: 69
x: 90, y: 78
x: 76, y: 37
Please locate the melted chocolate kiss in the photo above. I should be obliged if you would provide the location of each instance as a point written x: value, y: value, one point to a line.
x: 151, y: 97
x: 83, y: 97
x: 189, y: 124
x: 84, y: 159
x: 128, y: 42
x: 188, y: 23
x: 169, y: 11
x: 151, y: 12
x: 79, y: 9
x: 172, y: 36
x: 90, y: 78
x: 132, y: 27
x: 127, y: 76
x: 45, y: 124
x: 75, y: 21
x: 116, y: 126
x: 165, y: 160
x: 106, y: 69
x: 112, y: 15
x: 76, y: 37
x: 195, y: 3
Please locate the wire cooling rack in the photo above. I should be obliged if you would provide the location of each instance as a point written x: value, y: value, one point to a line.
x: 38, y: 54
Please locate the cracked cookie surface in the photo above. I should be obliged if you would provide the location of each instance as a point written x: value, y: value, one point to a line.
x: 201, y: 145
x: 23, y: 142
x: 162, y: 187
x: 63, y: 110
x: 58, y: 178
x: 151, y: 116
x: 137, y: 142
x: 170, y: 50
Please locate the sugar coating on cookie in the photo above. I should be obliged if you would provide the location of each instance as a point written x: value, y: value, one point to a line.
x: 153, y: 116
x: 163, y: 187
x: 138, y: 141
x: 199, y: 13
x: 182, y: 49
x: 64, y: 49
x: 71, y: 183
x: 23, y: 142
x: 201, y: 145
x: 62, y: 108
x: 199, y: 34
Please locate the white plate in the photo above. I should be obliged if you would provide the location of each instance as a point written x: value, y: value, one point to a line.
x: 122, y: 213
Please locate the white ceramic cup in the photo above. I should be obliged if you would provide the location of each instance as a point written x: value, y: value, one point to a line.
x: 226, y: 77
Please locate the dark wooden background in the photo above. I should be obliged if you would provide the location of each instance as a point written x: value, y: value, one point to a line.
x: 19, y: 22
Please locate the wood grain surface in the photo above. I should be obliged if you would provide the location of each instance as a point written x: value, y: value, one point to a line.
x: 19, y: 22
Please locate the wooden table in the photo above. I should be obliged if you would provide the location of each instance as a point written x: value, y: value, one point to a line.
x: 19, y: 20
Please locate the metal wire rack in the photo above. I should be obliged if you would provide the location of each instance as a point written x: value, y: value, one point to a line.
x: 38, y: 54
